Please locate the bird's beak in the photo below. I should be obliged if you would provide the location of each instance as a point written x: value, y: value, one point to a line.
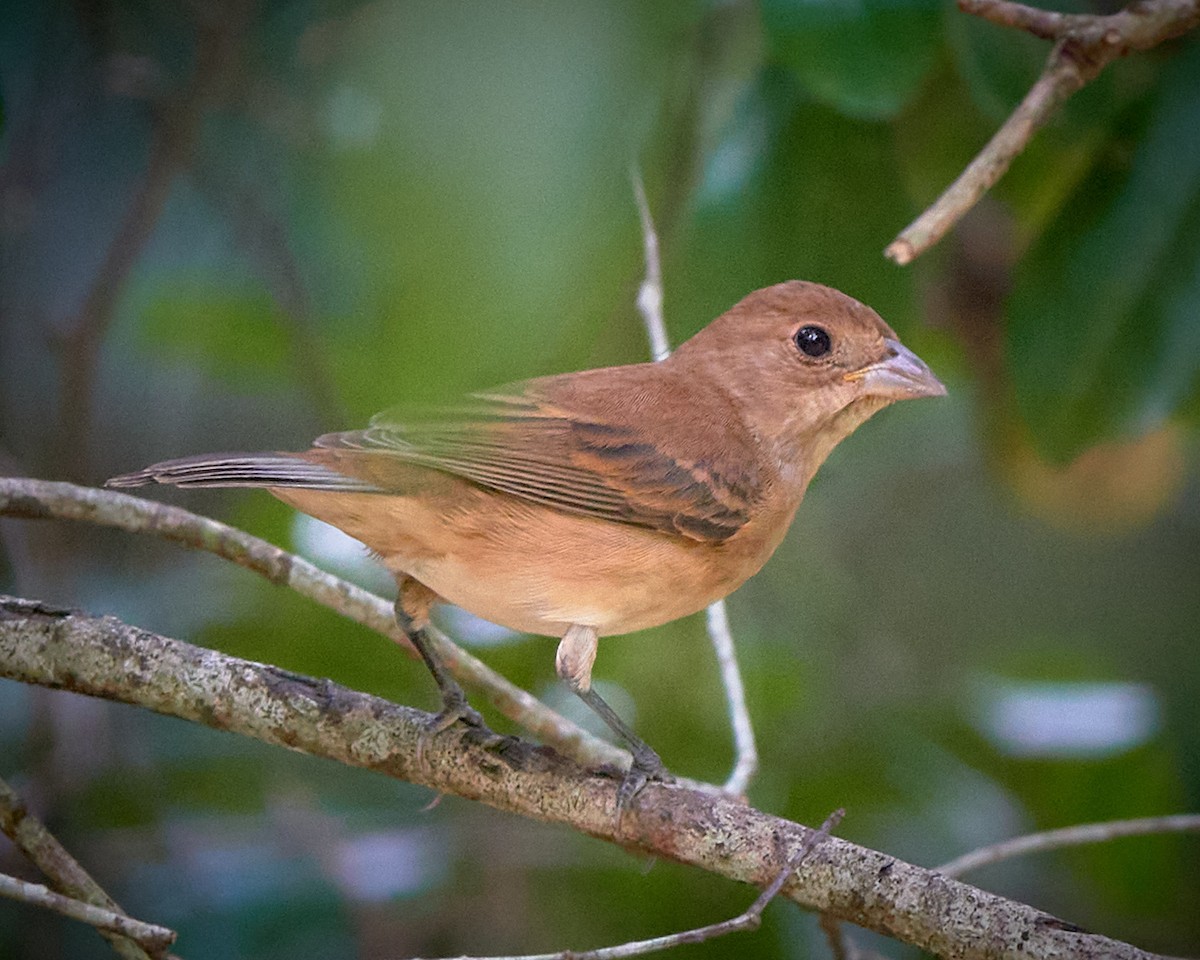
x: 901, y: 375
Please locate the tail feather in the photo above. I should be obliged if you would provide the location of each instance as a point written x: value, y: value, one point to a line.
x: 242, y: 470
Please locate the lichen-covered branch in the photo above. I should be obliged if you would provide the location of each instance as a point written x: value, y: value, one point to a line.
x: 1083, y: 46
x: 100, y: 656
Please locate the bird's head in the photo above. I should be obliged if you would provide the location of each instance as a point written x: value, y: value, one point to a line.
x: 806, y: 365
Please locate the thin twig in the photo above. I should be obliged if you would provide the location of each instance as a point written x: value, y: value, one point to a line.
x: 1061, y: 78
x: 832, y: 928
x: 748, y: 919
x: 745, y: 750
x: 154, y: 939
x: 650, y: 292
x: 1069, y: 837
x: 42, y: 499
x: 650, y: 305
x: 43, y: 850
x: 100, y: 656
x: 1083, y: 46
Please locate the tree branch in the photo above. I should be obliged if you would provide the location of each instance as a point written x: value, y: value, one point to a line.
x: 42, y: 499
x: 152, y: 938
x: 43, y: 850
x: 1083, y: 46
x: 106, y: 658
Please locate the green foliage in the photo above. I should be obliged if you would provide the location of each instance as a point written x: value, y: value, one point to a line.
x: 1103, y: 335
x: 234, y: 336
x: 865, y: 59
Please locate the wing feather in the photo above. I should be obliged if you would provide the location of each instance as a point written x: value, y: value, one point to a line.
x: 598, y: 466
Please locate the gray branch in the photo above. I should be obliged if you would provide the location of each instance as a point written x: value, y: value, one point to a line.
x: 102, y: 657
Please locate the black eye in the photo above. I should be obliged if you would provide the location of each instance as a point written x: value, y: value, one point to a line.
x: 812, y: 341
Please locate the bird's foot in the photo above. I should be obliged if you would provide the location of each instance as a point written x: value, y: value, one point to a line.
x: 455, y: 709
x: 647, y: 766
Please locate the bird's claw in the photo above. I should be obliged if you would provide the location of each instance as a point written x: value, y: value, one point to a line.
x: 647, y: 766
x: 455, y: 709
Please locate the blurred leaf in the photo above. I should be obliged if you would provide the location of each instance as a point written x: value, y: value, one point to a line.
x: 865, y: 58
x: 1103, y: 335
x: 233, y: 335
x: 1109, y: 489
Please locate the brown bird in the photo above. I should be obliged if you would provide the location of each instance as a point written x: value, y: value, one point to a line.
x: 600, y: 502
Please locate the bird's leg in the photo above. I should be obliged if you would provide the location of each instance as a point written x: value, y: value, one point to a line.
x: 454, y: 701
x: 412, y: 616
x: 576, y: 654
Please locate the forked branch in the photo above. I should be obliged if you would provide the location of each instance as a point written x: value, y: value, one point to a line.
x: 1083, y: 46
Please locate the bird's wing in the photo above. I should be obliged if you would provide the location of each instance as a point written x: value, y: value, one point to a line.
x: 604, y: 464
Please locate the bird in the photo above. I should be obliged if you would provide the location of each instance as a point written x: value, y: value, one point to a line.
x: 599, y: 502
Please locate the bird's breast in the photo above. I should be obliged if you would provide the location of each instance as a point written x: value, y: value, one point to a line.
x: 536, y: 569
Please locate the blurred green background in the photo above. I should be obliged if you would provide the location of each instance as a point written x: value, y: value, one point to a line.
x: 235, y: 225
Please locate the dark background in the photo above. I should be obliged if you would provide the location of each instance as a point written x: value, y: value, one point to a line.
x: 234, y: 226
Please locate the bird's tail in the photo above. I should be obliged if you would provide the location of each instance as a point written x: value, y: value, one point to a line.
x: 242, y: 470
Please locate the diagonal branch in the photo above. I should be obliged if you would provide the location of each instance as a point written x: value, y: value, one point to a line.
x: 152, y: 938
x: 1070, y: 837
x: 43, y: 499
x: 106, y: 658
x: 43, y: 850
x: 1083, y: 46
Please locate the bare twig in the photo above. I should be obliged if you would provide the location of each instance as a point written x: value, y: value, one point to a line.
x: 154, y: 939
x: 1069, y: 837
x: 1083, y: 46
x: 103, y: 657
x: 43, y: 850
x: 650, y: 303
x: 745, y: 750
x: 748, y: 919
x: 178, y: 126
x: 650, y: 292
x: 41, y: 499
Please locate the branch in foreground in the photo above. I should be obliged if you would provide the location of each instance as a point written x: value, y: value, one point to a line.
x: 1084, y: 46
x: 43, y: 500
x: 106, y: 658
x: 152, y: 938
x: 43, y: 850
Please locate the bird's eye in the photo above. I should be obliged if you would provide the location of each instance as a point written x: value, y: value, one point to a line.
x: 812, y: 341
